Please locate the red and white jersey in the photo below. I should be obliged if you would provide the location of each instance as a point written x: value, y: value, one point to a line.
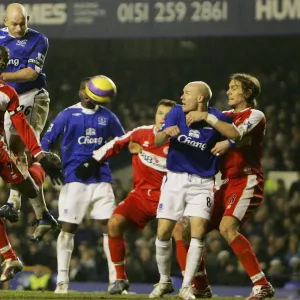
x: 9, y: 102
x: 245, y: 158
x: 149, y: 166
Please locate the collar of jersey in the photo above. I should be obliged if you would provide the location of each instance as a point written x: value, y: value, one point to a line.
x: 89, y: 111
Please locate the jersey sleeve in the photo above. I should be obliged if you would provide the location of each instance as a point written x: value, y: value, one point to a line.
x: 54, y: 131
x: 114, y: 147
x: 115, y: 126
x: 171, y: 119
x: 254, y: 118
x: 38, y: 55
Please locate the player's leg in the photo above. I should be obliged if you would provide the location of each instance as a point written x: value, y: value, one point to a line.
x: 103, y: 203
x: 11, y: 263
x: 244, y: 196
x: 182, y: 237
x: 199, y: 207
x: 170, y: 210
x: 73, y: 203
x: 35, y: 105
x: 135, y: 211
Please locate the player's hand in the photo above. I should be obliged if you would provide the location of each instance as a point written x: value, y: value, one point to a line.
x: 220, y: 148
x: 172, y: 131
x: 51, y: 164
x: 87, y: 169
x: 195, y: 116
x: 134, y: 148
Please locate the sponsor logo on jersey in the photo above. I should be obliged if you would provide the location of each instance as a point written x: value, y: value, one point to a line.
x: 188, y: 141
x: 194, y: 133
x: 21, y: 43
x: 102, y: 121
x: 14, y: 61
x: 153, y: 161
x: 82, y: 140
x: 90, y: 131
x: 160, y: 206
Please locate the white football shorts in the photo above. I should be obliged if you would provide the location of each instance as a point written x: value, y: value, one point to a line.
x: 185, y: 194
x: 35, y: 105
x: 78, y: 199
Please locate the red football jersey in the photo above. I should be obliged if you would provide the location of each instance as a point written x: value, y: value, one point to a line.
x: 245, y: 158
x: 149, y: 166
x: 9, y: 102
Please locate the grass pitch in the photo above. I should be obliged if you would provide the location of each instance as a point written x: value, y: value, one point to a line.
x: 76, y: 295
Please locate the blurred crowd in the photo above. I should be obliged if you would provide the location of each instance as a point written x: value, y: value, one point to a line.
x: 142, y: 80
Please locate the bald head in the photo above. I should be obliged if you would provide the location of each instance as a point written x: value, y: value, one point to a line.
x: 16, y: 19
x: 202, y: 88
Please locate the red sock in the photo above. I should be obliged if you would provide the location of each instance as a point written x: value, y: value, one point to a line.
x: 243, y: 250
x: 117, y: 253
x: 181, y: 254
x: 5, y: 248
x: 200, y: 281
x: 37, y: 173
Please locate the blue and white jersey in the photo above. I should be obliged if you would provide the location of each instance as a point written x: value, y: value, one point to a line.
x: 83, y: 131
x: 27, y: 51
x: 190, y: 152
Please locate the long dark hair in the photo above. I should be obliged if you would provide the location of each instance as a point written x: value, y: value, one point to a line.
x: 250, y: 85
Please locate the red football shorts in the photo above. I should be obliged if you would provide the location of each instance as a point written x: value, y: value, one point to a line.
x: 237, y: 197
x: 11, y: 168
x: 139, y: 207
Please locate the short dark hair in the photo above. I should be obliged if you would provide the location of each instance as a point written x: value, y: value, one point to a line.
x: 249, y: 83
x: 166, y: 102
x: 86, y: 79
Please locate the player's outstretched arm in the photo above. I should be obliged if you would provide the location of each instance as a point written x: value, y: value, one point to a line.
x: 26, y: 74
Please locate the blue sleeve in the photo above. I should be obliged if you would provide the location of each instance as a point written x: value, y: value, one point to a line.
x: 225, y: 118
x: 171, y: 119
x: 115, y: 126
x: 38, y: 55
x: 54, y: 131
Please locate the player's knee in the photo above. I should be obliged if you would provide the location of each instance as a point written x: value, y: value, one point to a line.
x: 228, y: 230
x: 178, y: 230
x: 116, y: 225
x: 165, y: 229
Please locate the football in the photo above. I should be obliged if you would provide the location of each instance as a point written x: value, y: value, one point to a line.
x: 101, y: 89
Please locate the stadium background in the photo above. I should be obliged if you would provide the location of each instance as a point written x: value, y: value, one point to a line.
x: 155, y: 62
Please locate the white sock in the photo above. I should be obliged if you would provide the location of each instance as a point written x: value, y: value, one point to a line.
x: 38, y: 204
x: 65, y: 246
x: 112, y: 274
x: 15, y: 198
x: 164, y: 259
x: 192, y: 262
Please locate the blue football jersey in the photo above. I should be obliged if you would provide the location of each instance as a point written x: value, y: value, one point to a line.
x: 27, y: 51
x: 190, y: 152
x: 82, y: 131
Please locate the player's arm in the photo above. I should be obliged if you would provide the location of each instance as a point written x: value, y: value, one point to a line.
x: 28, y: 137
x: 112, y: 148
x: 35, y: 64
x: 168, y: 129
x: 226, y: 129
x: 54, y: 131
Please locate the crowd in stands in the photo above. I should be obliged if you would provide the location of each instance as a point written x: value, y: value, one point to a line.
x: 273, y: 231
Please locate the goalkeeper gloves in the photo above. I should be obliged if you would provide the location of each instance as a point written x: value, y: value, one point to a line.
x: 52, y: 168
x: 87, y: 169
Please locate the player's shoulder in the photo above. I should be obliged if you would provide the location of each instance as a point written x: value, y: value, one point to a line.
x: 7, y: 89
x: 3, y: 32
x: 257, y: 113
x: 36, y: 35
x: 74, y: 109
x: 144, y: 128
